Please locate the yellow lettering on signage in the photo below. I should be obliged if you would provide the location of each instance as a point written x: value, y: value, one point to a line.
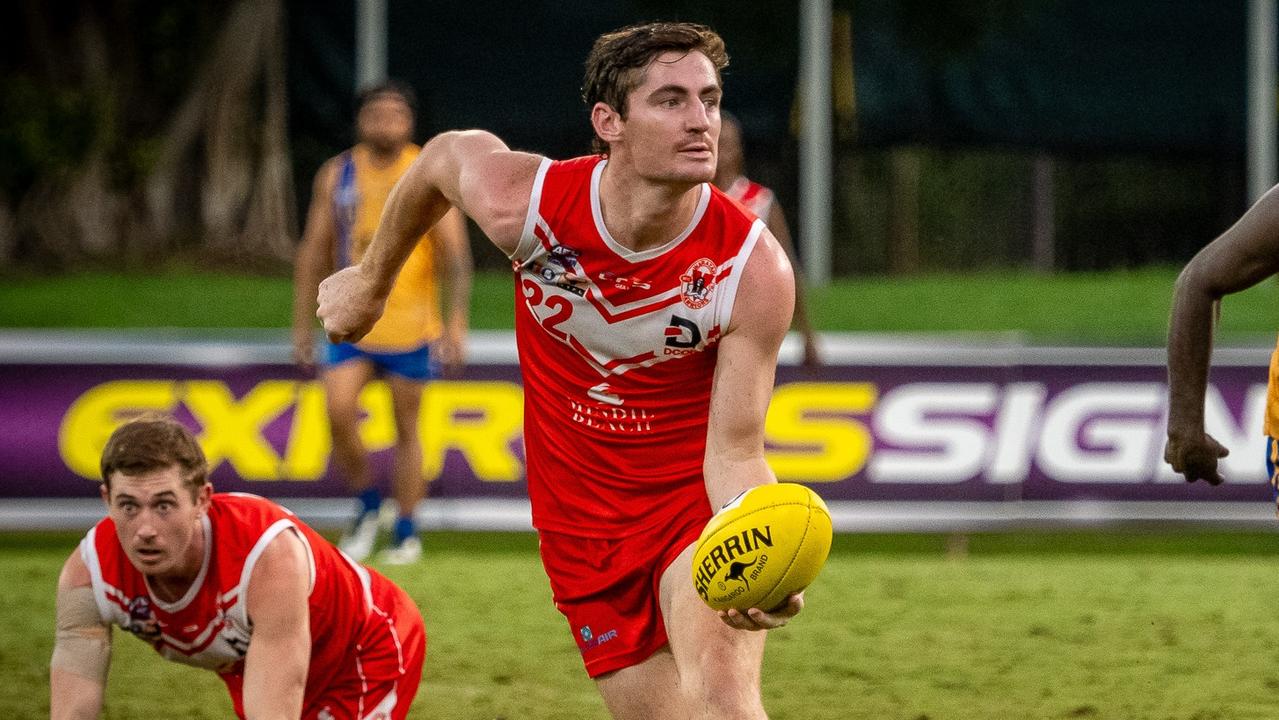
x: 307, y: 454
x: 96, y: 414
x: 479, y: 419
x: 377, y: 431
x: 820, y: 443
x: 233, y: 429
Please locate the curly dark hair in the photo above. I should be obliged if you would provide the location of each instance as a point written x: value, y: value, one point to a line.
x: 154, y: 442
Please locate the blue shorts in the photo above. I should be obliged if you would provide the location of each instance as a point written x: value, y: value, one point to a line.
x: 414, y: 364
x: 1272, y: 454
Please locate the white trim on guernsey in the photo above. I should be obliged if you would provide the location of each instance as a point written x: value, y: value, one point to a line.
x: 597, y: 213
x: 215, y: 624
x: 362, y: 572
x: 382, y: 709
x: 241, y: 608
x: 89, y: 554
x: 528, y: 241
x: 734, y: 280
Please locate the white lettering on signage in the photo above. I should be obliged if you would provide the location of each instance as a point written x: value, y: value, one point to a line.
x: 936, y: 439
x: 1016, y: 431
x: 1101, y: 432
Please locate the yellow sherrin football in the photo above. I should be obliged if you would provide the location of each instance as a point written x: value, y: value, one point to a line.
x: 767, y: 543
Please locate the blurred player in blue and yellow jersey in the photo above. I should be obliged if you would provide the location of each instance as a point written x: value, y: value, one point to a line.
x: 350, y: 191
x: 1241, y: 257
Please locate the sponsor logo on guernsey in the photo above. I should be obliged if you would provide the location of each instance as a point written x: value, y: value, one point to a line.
x: 726, y: 554
x: 605, y: 394
x: 698, y: 283
x: 611, y: 417
x: 682, y: 337
x: 590, y: 640
x: 623, y: 283
x: 560, y: 270
x: 142, y: 621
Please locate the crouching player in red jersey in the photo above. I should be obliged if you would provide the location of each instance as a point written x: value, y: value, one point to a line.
x: 650, y: 309
x: 229, y: 582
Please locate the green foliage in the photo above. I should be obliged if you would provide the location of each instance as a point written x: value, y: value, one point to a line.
x: 44, y: 130
x: 1034, y: 625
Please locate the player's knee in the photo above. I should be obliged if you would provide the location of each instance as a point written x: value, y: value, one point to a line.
x: 722, y: 688
x: 343, y: 418
x: 733, y: 703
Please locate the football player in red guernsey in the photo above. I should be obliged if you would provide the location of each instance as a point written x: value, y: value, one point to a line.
x: 232, y: 583
x: 649, y: 312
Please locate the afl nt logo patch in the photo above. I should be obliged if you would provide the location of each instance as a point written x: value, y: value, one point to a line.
x: 697, y: 283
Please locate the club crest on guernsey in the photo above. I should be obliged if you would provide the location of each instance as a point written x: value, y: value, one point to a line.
x: 697, y: 283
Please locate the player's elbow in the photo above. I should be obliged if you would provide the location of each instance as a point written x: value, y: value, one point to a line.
x: 1197, y: 281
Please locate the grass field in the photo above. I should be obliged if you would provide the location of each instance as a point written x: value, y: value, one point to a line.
x: 1111, y: 307
x: 1041, y: 625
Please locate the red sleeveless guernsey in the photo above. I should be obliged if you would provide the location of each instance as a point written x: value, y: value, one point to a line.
x: 617, y: 350
x: 753, y: 196
x: 209, y: 627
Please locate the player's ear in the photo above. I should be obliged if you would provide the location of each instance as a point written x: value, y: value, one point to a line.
x: 203, y: 496
x: 607, y: 122
x: 105, y: 493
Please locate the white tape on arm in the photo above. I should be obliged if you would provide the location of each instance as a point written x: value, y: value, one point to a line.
x: 82, y: 643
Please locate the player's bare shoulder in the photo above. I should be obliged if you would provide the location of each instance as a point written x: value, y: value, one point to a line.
x: 74, y: 572
x: 491, y: 183
x: 766, y: 299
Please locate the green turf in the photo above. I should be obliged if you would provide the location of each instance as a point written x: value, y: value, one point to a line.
x: 1114, y: 307
x: 188, y: 300
x: 1023, y: 626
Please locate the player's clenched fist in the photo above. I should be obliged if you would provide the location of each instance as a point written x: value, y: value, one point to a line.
x: 1195, y: 457
x: 349, y: 305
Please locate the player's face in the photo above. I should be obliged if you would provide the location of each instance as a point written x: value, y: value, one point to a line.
x: 386, y: 123
x: 157, y: 520
x: 672, y: 123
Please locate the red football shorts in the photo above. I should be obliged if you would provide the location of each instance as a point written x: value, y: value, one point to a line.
x: 380, y: 676
x: 609, y: 590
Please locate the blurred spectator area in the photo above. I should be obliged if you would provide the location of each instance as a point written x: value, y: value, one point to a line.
x: 1056, y: 134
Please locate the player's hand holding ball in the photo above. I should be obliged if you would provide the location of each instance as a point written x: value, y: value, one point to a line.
x: 757, y: 554
x: 349, y: 305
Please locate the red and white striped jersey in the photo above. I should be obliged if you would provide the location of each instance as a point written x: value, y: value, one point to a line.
x: 209, y: 627
x: 618, y: 351
x: 753, y: 196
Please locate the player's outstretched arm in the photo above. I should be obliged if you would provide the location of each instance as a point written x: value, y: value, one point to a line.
x: 471, y: 170
x: 279, y: 653
x: 81, y: 648
x: 742, y: 388
x: 1241, y: 257
x: 313, y: 261
x: 454, y: 269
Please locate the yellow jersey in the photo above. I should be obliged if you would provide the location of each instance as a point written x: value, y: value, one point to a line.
x: 1272, y: 397
x: 412, y: 317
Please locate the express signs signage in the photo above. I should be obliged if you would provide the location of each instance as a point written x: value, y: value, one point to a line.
x: 868, y: 431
